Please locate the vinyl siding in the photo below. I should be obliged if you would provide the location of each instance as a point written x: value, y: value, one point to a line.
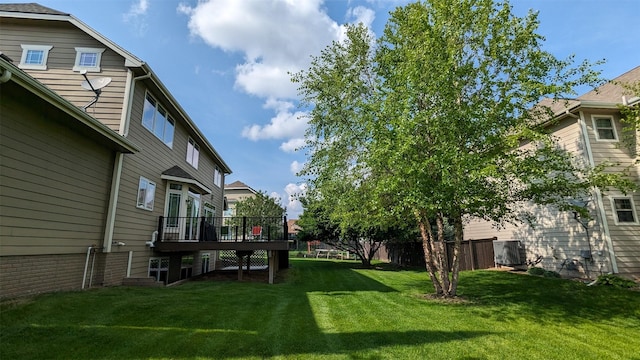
x: 135, y: 226
x: 624, y: 237
x: 554, y: 235
x: 59, y: 75
x: 55, y: 181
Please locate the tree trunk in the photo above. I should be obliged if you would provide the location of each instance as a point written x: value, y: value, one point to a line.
x: 427, y: 246
x: 443, y: 261
x: 457, y: 244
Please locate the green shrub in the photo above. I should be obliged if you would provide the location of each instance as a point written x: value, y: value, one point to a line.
x: 551, y: 274
x: 536, y: 271
x: 615, y: 280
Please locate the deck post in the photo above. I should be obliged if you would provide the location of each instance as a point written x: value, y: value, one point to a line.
x: 272, y: 265
x: 240, y: 258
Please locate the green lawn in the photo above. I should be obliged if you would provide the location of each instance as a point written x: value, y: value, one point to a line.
x: 326, y: 309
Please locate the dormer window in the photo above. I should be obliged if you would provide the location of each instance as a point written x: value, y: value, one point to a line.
x: 88, y: 59
x: 34, y: 57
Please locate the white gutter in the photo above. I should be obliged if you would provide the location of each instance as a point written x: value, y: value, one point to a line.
x: 606, y: 234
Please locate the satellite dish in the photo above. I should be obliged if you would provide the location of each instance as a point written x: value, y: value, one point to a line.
x: 95, y: 84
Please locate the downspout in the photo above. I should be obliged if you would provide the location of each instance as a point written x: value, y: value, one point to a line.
x: 599, y: 202
x: 117, y: 167
x: 129, y: 263
x: 86, y: 266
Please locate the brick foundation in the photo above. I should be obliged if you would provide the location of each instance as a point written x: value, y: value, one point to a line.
x: 35, y: 274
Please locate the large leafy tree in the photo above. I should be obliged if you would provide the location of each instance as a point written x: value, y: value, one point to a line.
x: 436, y: 122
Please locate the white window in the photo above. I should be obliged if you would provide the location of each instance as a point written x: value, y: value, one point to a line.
x: 34, y: 57
x: 624, y: 210
x: 604, y: 128
x: 217, y: 177
x: 156, y: 120
x: 88, y: 59
x: 146, y: 194
x: 193, y: 153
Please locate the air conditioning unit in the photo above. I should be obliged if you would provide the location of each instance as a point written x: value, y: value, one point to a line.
x: 507, y: 252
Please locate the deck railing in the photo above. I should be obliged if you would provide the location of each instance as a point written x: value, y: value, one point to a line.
x: 222, y: 228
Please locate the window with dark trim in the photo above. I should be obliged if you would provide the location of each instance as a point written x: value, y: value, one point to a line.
x: 624, y: 210
x: 604, y: 128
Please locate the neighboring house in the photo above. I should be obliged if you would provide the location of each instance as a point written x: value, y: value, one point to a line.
x: 164, y: 200
x: 294, y: 228
x: 51, y: 224
x: 589, y: 127
x: 235, y: 192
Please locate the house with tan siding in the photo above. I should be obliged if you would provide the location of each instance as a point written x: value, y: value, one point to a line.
x: 165, y: 200
x: 51, y: 225
x: 235, y: 192
x: 608, y: 241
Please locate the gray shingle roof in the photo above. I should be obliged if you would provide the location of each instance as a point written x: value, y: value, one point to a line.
x: 30, y: 8
x: 177, y: 171
x: 612, y: 91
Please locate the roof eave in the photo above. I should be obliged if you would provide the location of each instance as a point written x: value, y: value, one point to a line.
x: 120, y: 143
x: 130, y: 59
x: 569, y: 112
x: 194, y: 182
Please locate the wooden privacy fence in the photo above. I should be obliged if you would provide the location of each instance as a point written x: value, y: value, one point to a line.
x: 474, y: 254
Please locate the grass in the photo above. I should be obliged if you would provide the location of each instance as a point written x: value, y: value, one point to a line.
x: 329, y: 310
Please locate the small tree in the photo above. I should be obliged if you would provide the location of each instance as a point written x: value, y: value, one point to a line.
x: 362, y: 239
x: 260, y: 210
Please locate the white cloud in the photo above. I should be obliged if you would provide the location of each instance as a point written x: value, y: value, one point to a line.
x: 276, y: 37
x: 293, y: 205
x: 295, y: 167
x: 184, y: 8
x: 136, y: 16
x: 285, y: 125
x: 361, y: 14
x: 292, y: 145
x: 275, y: 196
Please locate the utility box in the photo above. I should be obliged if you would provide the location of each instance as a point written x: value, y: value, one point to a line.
x: 508, y: 252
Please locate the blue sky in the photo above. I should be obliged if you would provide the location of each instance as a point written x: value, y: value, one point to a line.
x: 226, y: 61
